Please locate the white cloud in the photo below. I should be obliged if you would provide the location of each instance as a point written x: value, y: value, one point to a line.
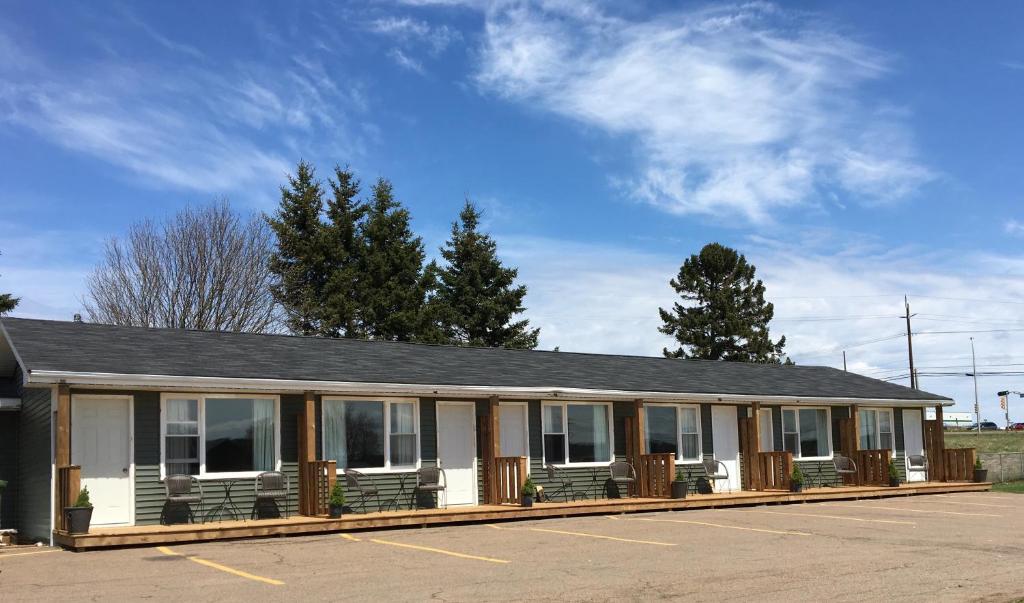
x: 405, y: 61
x: 1014, y: 227
x: 408, y: 31
x: 734, y: 111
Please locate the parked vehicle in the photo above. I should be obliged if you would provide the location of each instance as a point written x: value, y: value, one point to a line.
x: 1016, y: 426
x: 985, y: 426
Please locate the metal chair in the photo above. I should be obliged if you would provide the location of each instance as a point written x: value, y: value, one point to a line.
x: 843, y: 465
x: 271, y: 486
x: 178, y: 491
x: 431, y: 480
x: 714, y: 471
x: 917, y: 462
x: 562, y: 485
x: 622, y: 474
x: 363, y: 487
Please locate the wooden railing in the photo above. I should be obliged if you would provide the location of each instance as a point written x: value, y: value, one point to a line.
x: 69, y: 480
x: 872, y: 467
x: 654, y: 475
x: 774, y: 470
x: 959, y: 464
x: 318, y: 480
x: 509, y: 477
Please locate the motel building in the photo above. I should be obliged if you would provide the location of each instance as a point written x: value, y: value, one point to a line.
x: 120, y: 409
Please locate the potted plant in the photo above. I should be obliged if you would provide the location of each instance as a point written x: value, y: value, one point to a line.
x: 679, y: 485
x: 980, y: 473
x: 894, y: 475
x: 528, y: 492
x: 337, y: 503
x: 796, y: 480
x: 80, y: 515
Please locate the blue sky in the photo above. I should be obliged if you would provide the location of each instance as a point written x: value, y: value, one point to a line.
x: 854, y: 151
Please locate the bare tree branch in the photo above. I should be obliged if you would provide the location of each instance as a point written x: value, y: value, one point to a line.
x: 204, y: 268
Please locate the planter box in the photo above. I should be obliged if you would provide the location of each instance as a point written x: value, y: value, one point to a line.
x: 78, y: 519
x: 794, y: 487
x: 981, y: 475
x: 527, y: 501
x: 679, y: 489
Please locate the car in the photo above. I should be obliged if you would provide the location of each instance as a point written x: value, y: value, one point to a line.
x: 1016, y: 426
x: 989, y: 426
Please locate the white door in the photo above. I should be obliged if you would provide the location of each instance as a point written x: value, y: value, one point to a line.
x: 514, y: 436
x: 101, y: 436
x: 726, y: 439
x: 913, y: 441
x: 456, y: 450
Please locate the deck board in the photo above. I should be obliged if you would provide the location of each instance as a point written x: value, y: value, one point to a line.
x: 158, y: 534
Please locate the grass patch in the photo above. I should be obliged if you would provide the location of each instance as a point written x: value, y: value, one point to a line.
x: 987, y: 441
x: 1015, y: 487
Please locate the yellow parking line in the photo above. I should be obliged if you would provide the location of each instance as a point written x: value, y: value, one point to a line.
x: 728, y: 527
x: 2, y: 555
x: 349, y: 537
x: 491, y: 525
x: 223, y: 568
x: 440, y: 551
x: 929, y: 511
x: 892, y: 521
x: 602, y: 537
x: 611, y: 517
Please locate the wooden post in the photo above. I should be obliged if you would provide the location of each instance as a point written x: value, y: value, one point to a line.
x: 492, y: 450
x: 938, y: 465
x: 62, y: 455
x: 307, y: 454
x: 855, y: 415
x: 754, y: 467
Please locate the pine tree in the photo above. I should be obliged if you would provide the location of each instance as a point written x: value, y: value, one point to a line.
x: 727, y: 317
x: 476, y: 299
x: 301, y: 260
x: 344, y: 246
x: 393, y: 281
x: 7, y: 302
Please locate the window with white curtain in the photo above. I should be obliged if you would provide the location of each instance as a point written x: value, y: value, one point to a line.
x: 577, y: 433
x: 806, y: 432
x: 371, y: 434
x: 219, y: 434
x: 672, y: 428
x: 876, y: 429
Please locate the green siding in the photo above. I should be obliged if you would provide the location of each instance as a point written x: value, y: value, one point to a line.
x: 34, y: 519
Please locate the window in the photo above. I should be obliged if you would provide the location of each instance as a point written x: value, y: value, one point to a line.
x: 806, y: 432
x: 673, y: 428
x: 876, y: 429
x: 577, y: 433
x: 219, y: 434
x: 371, y: 434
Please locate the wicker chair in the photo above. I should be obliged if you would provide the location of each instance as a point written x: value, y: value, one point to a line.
x: 844, y: 465
x: 714, y: 471
x: 622, y: 474
x: 363, y: 487
x: 431, y: 480
x: 178, y: 491
x: 271, y: 486
x: 562, y: 485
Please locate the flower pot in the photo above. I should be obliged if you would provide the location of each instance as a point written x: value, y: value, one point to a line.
x: 334, y: 511
x: 679, y: 488
x: 894, y: 482
x: 981, y: 475
x: 795, y: 487
x: 527, y: 501
x: 78, y: 519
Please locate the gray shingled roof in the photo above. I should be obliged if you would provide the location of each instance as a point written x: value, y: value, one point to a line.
x: 76, y: 347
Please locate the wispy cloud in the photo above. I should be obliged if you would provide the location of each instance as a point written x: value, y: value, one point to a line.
x: 1014, y: 227
x: 405, y: 61
x: 735, y: 110
x: 1015, y: 65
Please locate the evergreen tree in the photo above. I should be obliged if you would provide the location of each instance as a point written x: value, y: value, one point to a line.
x: 476, y: 299
x: 301, y: 260
x: 727, y: 317
x: 7, y: 302
x: 393, y: 282
x: 344, y: 246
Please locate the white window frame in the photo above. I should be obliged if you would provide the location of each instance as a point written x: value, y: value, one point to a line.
x: 878, y: 425
x: 387, y: 401
x: 828, y: 432
x: 201, y: 397
x: 679, y: 432
x: 565, y: 431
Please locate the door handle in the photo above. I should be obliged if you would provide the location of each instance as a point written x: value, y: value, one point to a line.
x: 124, y: 469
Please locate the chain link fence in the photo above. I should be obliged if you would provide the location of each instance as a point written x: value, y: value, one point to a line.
x: 1003, y: 466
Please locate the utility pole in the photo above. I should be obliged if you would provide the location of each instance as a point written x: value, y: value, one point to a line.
x: 974, y: 367
x: 844, y: 361
x: 910, y: 344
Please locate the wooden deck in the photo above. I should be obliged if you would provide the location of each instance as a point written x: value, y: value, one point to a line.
x: 158, y: 534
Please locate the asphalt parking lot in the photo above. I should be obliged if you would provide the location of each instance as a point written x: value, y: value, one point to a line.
x: 956, y: 547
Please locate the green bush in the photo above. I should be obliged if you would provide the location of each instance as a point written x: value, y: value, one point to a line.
x: 893, y: 473
x: 83, y: 499
x: 977, y: 463
x: 3, y: 484
x: 680, y: 475
x: 337, y: 495
x: 798, y: 476
x: 529, y: 488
